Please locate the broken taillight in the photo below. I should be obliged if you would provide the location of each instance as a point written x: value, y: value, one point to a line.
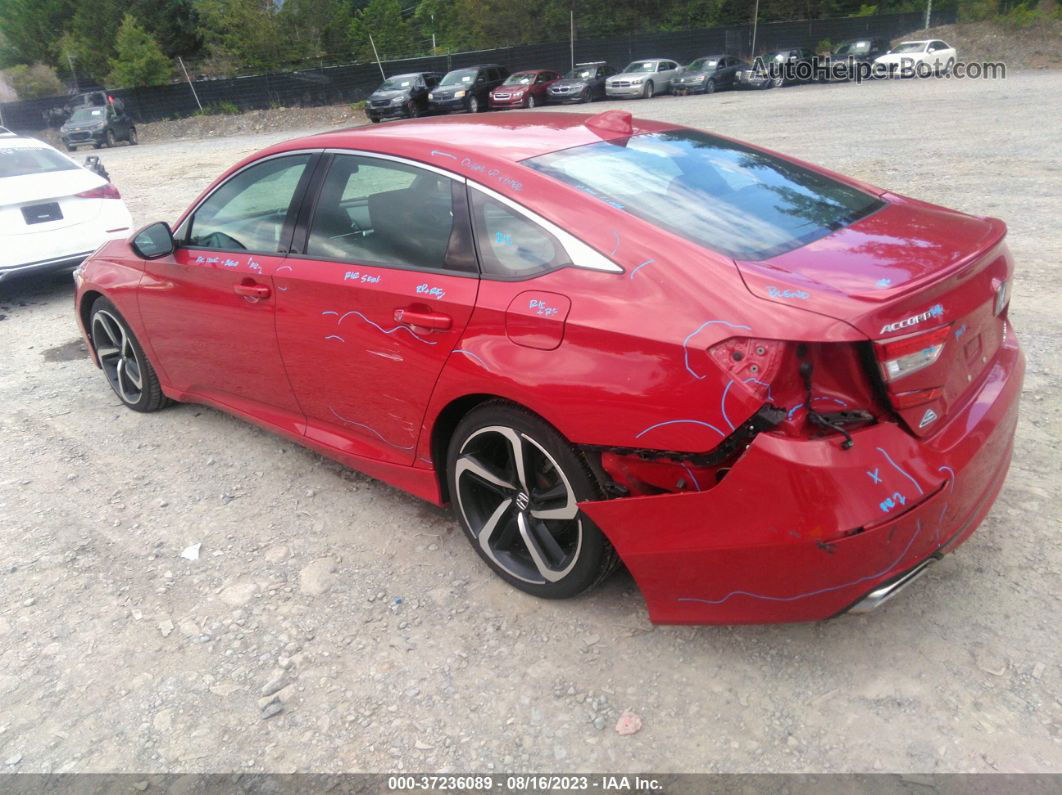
x: 900, y: 358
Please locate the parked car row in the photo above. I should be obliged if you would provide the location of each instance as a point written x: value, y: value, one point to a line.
x: 492, y: 86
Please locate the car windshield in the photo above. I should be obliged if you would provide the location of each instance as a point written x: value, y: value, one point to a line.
x: 581, y: 73
x: 719, y: 194
x: 82, y: 115
x: 909, y: 46
x: 703, y: 64
x: 459, y: 77
x: 520, y: 79
x: 853, y: 48
x: 397, y: 83
x: 18, y: 162
x: 641, y: 66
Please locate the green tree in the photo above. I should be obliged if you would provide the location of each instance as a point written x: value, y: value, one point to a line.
x: 245, y: 32
x: 138, y: 60
x: 32, y: 28
x: 394, y: 36
x: 31, y: 82
x: 317, y: 28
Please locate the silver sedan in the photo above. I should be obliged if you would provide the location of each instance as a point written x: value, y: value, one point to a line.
x: 644, y: 78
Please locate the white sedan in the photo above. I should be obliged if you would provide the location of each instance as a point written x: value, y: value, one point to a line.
x: 907, y: 57
x: 53, y: 212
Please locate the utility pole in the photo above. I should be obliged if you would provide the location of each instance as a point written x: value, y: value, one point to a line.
x: 571, y: 30
x: 70, y: 60
x: 373, y: 43
x: 929, y: 13
x: 755, y: 22
x: 186, y: 77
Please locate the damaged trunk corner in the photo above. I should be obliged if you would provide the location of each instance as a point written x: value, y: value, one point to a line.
x: 639, y: 472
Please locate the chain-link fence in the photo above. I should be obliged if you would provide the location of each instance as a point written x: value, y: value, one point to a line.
x: 353, y: 82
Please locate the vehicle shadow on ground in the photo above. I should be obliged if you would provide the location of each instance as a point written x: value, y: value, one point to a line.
x: 18, y: 292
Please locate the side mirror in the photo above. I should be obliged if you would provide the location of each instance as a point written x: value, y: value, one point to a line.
x: 154, y: 241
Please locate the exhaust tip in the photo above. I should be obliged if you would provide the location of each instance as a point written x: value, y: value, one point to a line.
x: 883, y: 593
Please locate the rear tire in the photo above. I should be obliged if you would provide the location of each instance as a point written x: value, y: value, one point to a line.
x: 124, y: 363
x: 523, y: 518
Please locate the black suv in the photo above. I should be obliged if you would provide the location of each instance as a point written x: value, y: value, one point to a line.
x: 99, y: 125
x: 844, y: 61
x: 402, y: 96
x: 584, y: 83
x: 467, y: 88
x: 779, y: 68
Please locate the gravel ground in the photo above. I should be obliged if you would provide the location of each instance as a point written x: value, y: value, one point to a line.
x: 331, y: 623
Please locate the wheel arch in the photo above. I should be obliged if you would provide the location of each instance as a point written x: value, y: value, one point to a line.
x: 446, y: 421
x: 84, y: 312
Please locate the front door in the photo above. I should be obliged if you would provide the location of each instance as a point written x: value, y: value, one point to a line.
x: 368, y: 314
x: 209, y: 309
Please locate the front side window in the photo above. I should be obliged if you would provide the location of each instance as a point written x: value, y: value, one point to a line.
x: 719, y: 194
x: 380, y: 212
x: 511, y: 245
x: 247, y: 213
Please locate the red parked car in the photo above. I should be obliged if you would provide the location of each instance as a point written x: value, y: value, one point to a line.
x: 774, y: 392
x: 523, y: 89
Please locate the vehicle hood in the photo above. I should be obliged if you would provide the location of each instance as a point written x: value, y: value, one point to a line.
x: 570, y: 82
x: 389, y: 95
x: 79, y: 127
x: 892, y: 262
x: 31, y: 188
x: 692, y: 77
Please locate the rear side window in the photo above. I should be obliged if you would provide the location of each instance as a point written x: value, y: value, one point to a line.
x: 379, y: 212
x: 18, y: 162
x: 247, y: 213
x: 720, y: 194
x: 510, y: 245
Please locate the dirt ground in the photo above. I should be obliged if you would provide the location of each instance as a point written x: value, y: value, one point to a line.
x: 331, y: 623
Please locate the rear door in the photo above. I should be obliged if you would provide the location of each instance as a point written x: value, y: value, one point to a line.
x: 375, y: 301
x: 209, y: 309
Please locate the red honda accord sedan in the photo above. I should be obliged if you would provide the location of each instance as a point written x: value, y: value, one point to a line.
x: 773, y: 392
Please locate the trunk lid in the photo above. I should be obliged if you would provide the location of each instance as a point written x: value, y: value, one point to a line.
x: 905, y: 270
x: 32, y: 190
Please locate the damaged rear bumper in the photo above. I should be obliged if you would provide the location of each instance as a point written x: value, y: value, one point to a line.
x: 803, y: 530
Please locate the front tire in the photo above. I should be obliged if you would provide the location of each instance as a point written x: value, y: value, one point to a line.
x: 709, y: 87
x: 515, y: 484
x: 131, y: 138
x: 109, y: 140
x: 649, y: 90
x: 530, y: 101
x: 473, y: 105
x: 124, y: 363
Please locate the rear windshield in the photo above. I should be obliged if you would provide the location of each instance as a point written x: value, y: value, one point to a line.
x: 19, y: 162
x: 724, y: 196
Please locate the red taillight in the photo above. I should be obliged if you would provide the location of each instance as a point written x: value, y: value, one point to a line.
x: 900, y: 358
x: 107, y: 191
